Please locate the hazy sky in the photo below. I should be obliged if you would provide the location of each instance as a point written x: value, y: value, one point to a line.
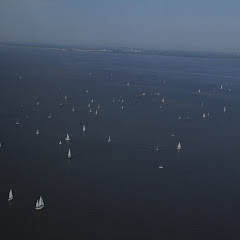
x: 163, y: 24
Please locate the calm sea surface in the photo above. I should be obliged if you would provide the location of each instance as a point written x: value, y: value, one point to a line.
x: 116, y: 190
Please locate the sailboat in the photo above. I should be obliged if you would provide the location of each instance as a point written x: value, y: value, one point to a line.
x: 17, y: 122
x: 89, y: 105
x: 96, y: 112
x: 224, y: 109
x: 60, y: 142
x: 86, y: 90
x: 179, y: 146
x: 204, y: 115
x: 90, y: 110
x: 73, y: 109
x: 37, y: 132
x: 109, y: 139
x: 199, y: 90
x: 67, y: 138
x: 122, y: 107
x: 163, y: 100
x: 92, y: 101
x: 202, y: 104
x: 10, y: 196
x: 98, y: 106
x: 113, y: 100
x: 65, y: 98
x: 50, y: 115
x: 39, y: 204
x: 221, y: 87
x: 69, y: 154
x: 84, y: 128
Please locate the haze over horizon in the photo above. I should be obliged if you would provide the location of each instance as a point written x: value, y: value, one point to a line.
x: 161, y: 24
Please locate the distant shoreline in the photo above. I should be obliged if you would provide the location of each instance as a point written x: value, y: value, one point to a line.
x: 150, y: 52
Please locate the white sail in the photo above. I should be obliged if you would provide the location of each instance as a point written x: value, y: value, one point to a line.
x: 109, y: 139
x: 69, y: 154
x: 92, y: 101
x: 37, y: 205
x: 41, y: 203
x: 98, y: 106
x: 224, y: 109
x: 179, y: 146
x: 60, y: 142
x: 67, y: 137
x: 204, y: 115
x: 96, y: 112
x: 199, y: 90
x: 163, y: 100
x: 221, y: 87
x: 89, y: 105
x: 90, y: 110
x: 122, y: 107
x: 10, y: 195
x: 50, y: 115
x: 37, y: 132
x: 84, y: 128
x: 65, y: 98
x: 73, y: 109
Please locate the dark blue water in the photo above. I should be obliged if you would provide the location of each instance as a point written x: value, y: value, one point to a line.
x: 116, y: 190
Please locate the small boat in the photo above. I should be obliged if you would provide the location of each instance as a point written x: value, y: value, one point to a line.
x: 163, y: 100
x: 113, y: 100
x: 98, y: 106
x: 157, y: 148
x: 224, y: 109
x: 17, y: 122
x: 50, y: 115
x: 128, y: 84
x: 67, y: 138
x: 60, y: 142
x: 122, y: 101
x: 204, y: 115
x: 96, y: 112
x: 161, y: 166
x: 89, y: 105
x: 122, y: 107
x: 179, y: 146
x: 69, y: 154
x: 229, y: 89
x: 179, y: 117
x: 86, y: 91
x: 65, y: 98
x: 199, y: 90
x: 90, y: 110
x: 221, y: 87
x: 37, y: 132
x: 38, y: 103
x: 39, y: 204
x: 10, y: 196
x: 73, y: 109
x: 0, y: 144
x: 173, y: 135
x: 92, y: 101
x: 109, y: 139
x: 202, y: 104
x: 84, y: 128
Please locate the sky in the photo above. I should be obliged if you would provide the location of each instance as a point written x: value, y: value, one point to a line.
x: 161, y: 24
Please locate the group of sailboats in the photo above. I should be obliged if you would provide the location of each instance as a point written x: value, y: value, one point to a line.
x: 39, y: 204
